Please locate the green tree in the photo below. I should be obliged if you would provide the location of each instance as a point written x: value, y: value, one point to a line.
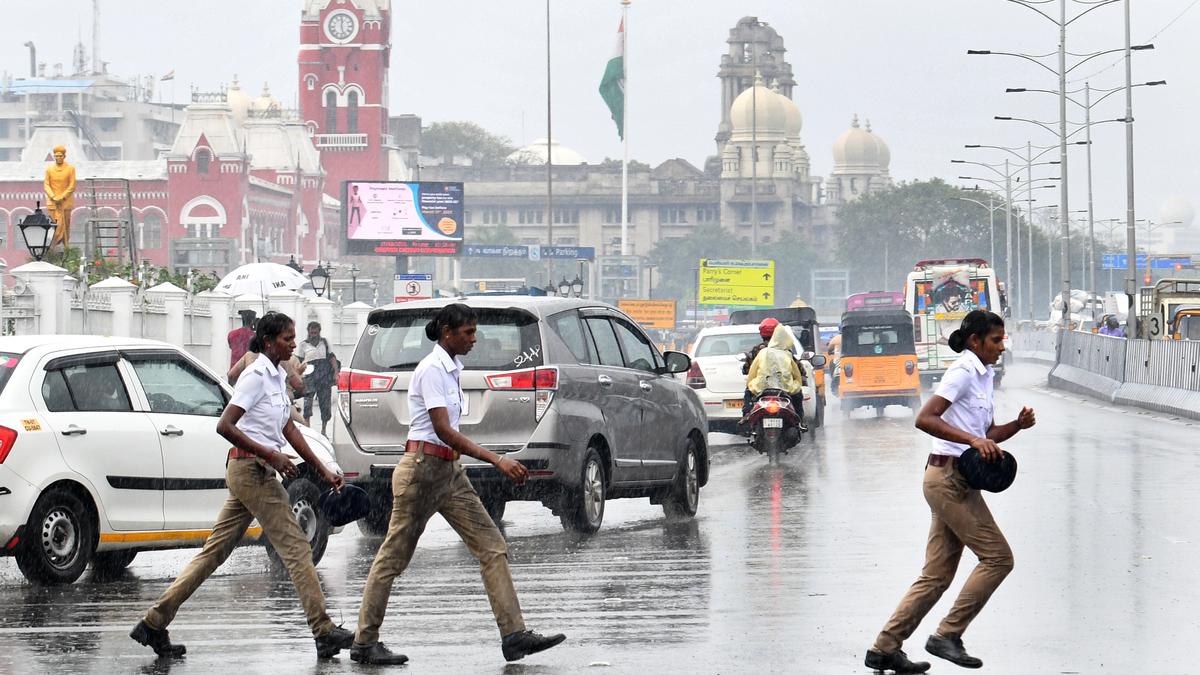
x: 447, y: 140
x: 795, y: 259
x: 677, y: 259
x: 880, y: 236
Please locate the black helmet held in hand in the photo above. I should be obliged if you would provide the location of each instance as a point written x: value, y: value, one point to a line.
x: 345, y: 507
x: 984, y: 475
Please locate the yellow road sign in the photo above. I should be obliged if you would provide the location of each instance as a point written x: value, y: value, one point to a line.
x: 650, y: 313
x: 737, y: 282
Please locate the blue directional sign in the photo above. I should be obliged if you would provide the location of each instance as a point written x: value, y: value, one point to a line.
x: 1120, y: 261
x: 534, y: 252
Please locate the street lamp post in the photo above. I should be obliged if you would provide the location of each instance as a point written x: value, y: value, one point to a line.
x: 37, y: 230
x: 354, y: 270
x: 320, y: 279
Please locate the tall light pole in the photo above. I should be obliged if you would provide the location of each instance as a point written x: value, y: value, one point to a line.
x: 1007, y: 174
x: 1131, y: 320
x: 1087, y: 105
x: 1061, y: 72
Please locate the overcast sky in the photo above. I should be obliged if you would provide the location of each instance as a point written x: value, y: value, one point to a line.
x: 901, y: 64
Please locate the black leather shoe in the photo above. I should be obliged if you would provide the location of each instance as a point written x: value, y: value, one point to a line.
x: 336, y: 640
x: 895, y: 661
x: 376, y: 654
x: 952, y: 650
x: 158, y: 640
x: 517, y: 646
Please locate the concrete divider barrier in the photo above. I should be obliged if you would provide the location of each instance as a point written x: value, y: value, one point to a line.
x: 1161, y: 375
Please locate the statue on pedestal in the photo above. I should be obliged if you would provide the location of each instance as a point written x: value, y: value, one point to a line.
x: 60, y: 196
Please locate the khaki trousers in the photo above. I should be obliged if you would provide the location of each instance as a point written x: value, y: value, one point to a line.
x: 960, y: 517
x: 253, y: 493
x: 423, y: 486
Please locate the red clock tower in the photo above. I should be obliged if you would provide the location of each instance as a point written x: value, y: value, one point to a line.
x: 345, y: 49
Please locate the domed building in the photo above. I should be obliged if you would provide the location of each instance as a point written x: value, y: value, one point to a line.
x: 860, y: 164
x: 534, y: 154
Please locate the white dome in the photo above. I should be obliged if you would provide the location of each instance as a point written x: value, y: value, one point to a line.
x: 885, y: 155
x: 238, y: 101
x: 1177, y: 208
x: 535, y: 154
x: 856, y: 149
x: 265, y: 102
x: 794, y: 120
x: 759, y: 110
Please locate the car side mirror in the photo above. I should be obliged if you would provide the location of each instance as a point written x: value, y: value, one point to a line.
x: 741, y: 357
x: 817, y: 361
x: 676, y: 362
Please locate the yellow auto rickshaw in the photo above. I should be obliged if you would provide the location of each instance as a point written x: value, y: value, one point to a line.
x: 878, y: 366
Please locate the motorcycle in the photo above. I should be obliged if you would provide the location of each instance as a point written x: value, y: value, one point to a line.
x: 774, y: 424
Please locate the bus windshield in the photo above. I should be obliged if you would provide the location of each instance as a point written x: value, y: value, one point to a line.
x: 951, y: 295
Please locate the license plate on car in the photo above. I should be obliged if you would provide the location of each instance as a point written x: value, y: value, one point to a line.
x: 733, y: 404
x: 772, y: 423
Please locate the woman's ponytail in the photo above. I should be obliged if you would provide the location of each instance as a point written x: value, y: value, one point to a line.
x: 432, y: 330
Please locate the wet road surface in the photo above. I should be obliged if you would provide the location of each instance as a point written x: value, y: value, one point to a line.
x: 787, y: 570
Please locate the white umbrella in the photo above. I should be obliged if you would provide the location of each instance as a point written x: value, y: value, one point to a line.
x: 261, y: 279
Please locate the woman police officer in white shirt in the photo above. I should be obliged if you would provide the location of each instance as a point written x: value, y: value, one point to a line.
x: 430, y: 480
x: 958, y: 415
x: 257, y: 422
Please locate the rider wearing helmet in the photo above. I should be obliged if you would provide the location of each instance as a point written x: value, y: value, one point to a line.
x: 766, y: 330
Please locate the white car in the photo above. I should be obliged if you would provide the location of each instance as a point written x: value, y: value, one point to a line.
x: 108, y: 447
x: 716, y: 372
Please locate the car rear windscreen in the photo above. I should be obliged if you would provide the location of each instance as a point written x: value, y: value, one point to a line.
x: 726, y: 345
x: 395, y: 341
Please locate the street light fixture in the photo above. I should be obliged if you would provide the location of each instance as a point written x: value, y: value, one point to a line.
x: 577, y: 287
x: 38, y: 230
x: 320, y: 279
x: 564, y: 288
x: 294, y: 265
x: 354, y: 270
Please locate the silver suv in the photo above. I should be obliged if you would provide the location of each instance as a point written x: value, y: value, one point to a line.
x: 572, y: 389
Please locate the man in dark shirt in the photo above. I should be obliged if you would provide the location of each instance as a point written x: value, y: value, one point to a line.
x: 239, y: 338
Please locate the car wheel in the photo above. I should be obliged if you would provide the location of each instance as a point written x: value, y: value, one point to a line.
x: 683, y: 500
x: 61, y: 538
x: 303, y: 495
x: 375, y: 523
x: 584, y: 509
x: 110, y: 564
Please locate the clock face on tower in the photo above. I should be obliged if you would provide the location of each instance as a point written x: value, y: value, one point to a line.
x: 341, y: 26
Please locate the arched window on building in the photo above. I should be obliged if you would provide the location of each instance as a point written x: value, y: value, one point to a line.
x: 152, y: 230
x: 203, y: 159
x: 330, y: 112
x: 352, y: 112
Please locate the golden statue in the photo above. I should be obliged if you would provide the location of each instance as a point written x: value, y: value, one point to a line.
x: 60, y: 195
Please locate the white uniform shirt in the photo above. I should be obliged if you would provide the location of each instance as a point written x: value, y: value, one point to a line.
x: 436, y: 383
x: 309, y: 353
x: 261, y: 391
x: 967, y: 385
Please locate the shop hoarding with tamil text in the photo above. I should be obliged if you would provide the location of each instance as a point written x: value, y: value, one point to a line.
x: 389, y: 218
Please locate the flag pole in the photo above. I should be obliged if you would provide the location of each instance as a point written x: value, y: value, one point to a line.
x: 625, y: 127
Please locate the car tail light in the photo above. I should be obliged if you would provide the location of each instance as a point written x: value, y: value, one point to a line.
x: 344, y: 405
x: 909, y: 367
x: 695, y: 377
x: 361, y: 380
x: 848, y: 369
x: 8, y: 438
x: 543, y: 382
x: 534, y: 378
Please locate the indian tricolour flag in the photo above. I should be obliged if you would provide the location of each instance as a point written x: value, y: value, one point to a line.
x: 612, y: 85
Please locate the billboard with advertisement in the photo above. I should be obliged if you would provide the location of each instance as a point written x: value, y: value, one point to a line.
x: 390, y: 218
x: 659, y: 314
